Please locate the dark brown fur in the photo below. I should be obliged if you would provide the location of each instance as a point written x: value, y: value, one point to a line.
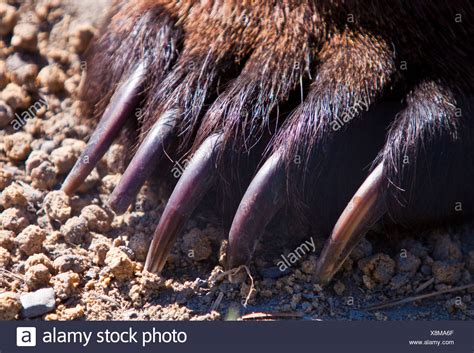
x: 275, y: 74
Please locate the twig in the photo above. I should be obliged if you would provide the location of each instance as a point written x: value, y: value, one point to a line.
x: 424, y: 285
x: 217, y: 302
x: 233, y: 272
x: 418, y: 297
x: 271, y: 316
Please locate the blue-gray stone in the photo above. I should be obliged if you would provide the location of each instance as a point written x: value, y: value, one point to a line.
x: 38, y: 303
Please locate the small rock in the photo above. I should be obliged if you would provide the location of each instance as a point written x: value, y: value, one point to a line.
x: 12, y: 196
x: 91, y: 181
x: 114, y: 158
x: 64, y: 158
x: 75, y: 230
x: 25, y: 37
x: 10, y: 305
x: 7, y: 238
x: 52, y: 77
x: 447, y: 272
x: 43, y: 177
x: 6, y: 177
x: 37, y: 259
x: 362, y: 250
x: 120, y: 264
x: 30, y: 240
x: 74, y: 263
x: 408, y: 263
x: 13, y: 219
x: 379, y: 267
x: 446, y: 249
x: 100, y: 252
x: 81, y: 37
x: 34, y: 160
x: 196, y: 245
x: 309, y: 266
x: 399, y: 280
x: 37, y: 276
x: 4, y: 75
x: 18, y: 146
x: 339, y: 288
x: 25, y: 75
x: 5, y: 258
x: 6, y: 114
x: 65, y: 284
x: 139, y: 244
x: 97, y: 219
x: 57, y: 206
x: 16, y: 97
x: 38, y: 303
x: 8, y: 18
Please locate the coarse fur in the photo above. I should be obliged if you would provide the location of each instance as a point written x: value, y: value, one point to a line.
x: 277, y: 76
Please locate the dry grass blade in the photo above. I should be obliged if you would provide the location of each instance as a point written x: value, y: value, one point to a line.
x: 271, y: 316
x: 418, y: 297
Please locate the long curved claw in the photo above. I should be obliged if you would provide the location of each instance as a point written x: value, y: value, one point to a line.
x: 264, y: 197
x: 149, y: 154
x: 365, y: 208
x: 119, y: 110
x: 196, y: 180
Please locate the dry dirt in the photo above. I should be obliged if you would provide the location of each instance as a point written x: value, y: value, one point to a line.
x: 93, y: 259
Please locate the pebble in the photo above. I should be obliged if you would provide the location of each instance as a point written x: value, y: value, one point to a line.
x: 446, y: 249
x: 6, y: 177
x: 90, y: 182
x: 65, y: 284
x: 43, y: 177
x: 38, y: 303
x: 81, y: 37
x: 13, y: 219
x: 16, y: 97
x: 8, y: 18
x: 37, y: 276
x: 447, y: 272
x: 5, y: 257
x: 18, y: 146
x: 30, y: 240
x: 120, y: 264
x: 339, y: 288
x: 74, y: 263
x: 10, y: 305
x: 139, y: 243
x: 379, y: 267
x: 196, y: 245
x: 97, y: 219
x: 25, y: 75
x: 6, y: 114
x: 408, y: 263
x: 52, y: 77
x: 25, y: 37
x: 12, y: 196
x: 7, y: 238
x: 57, y: 206
x: 64, y: 158
x: 75, y: 230
x: 37, y: 259
x: 362, y: 250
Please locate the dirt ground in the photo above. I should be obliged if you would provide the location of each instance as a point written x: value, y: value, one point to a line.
x: 65, y: 258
